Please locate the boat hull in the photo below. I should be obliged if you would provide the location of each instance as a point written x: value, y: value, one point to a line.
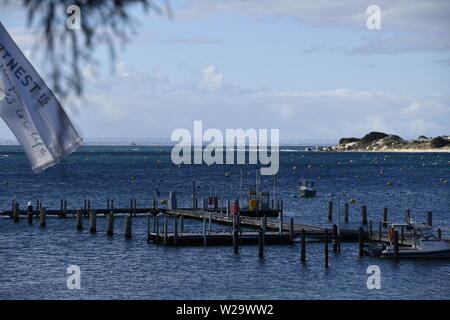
x: 419, y: 254
x: 307, y: 193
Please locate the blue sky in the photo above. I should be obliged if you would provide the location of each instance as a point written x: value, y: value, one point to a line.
x: 311, y: 69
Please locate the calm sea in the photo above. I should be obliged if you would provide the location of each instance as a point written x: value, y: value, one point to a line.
x: 34, y: 261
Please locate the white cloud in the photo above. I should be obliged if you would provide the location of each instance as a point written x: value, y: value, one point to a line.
x: 211, y: 77
x: 136, y: 104
x: 150, y: 105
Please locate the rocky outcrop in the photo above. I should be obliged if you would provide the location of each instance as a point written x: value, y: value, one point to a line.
x: 379, y: 141
x: 439, y: 142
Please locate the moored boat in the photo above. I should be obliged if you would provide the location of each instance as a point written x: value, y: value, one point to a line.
x: 306, y: 189
x: 426, y: 244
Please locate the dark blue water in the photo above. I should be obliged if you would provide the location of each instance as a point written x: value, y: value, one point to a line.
x: 33, y: 260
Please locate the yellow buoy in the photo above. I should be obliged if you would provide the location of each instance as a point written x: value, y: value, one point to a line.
x: 309, y: 166
x: 389, y: 183
x: 163, y: 201
x: 352, y: 201
x: 226, y: 174
x: 133, y: 178
x: 5, y: 182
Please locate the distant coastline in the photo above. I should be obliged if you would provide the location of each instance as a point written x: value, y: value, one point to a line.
x: 382, y: 142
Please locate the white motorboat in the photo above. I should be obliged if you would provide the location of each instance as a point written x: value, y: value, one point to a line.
x: 306, y: 189
x: 425, y: 243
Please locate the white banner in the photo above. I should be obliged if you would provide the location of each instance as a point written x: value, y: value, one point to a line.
x: 31, y: 110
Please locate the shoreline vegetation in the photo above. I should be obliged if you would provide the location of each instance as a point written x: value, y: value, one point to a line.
x: 382, y: 142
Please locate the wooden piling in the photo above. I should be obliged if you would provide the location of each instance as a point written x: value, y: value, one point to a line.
x: 335, y: 238
x: 42, y: 216
x: 264, y: 223
x: 346, y: 212
x: 280, y: 226
x: 210, y: 222
x: 361, y: 241
x: 165, y: 230
x: 127, y: 227
x: 156, y: 227
x: 65, y: 208
x: 330, y: 210
x: 370, y: 229
x: 385, y: 216
x: 439, y: 233
x: 79, y: 220
x: 13, y: 209
x: 326, y: 247
x: 110, y: 224
x: 402, y: 235
x: 261, y: 243
x: 235, y: 241
x: 238, y: 223
x: 363, y: 214
x: 303, y: 246
x: 148, y: 226
x: 291, y: 229
x: 204, y: 232
x: 429, y: 218
x: 92, y: 221
x: 30, y: 215
x: 181, y: 224
x: 16, y: 213
x: 175, y: 230
x: 396, y: 246
x: 379, y: 231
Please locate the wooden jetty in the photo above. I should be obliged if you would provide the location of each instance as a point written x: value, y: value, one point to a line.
x: 277, y: 224
x: 277, y: 230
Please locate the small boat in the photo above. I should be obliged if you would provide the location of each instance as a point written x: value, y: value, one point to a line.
x: 306, y: 189
x: 425, y: 243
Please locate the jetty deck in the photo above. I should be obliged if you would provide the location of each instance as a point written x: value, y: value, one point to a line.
x: 217, y: 238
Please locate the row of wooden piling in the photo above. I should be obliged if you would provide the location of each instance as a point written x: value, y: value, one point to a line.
x: 364, y: 220
x: 79, y: 221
